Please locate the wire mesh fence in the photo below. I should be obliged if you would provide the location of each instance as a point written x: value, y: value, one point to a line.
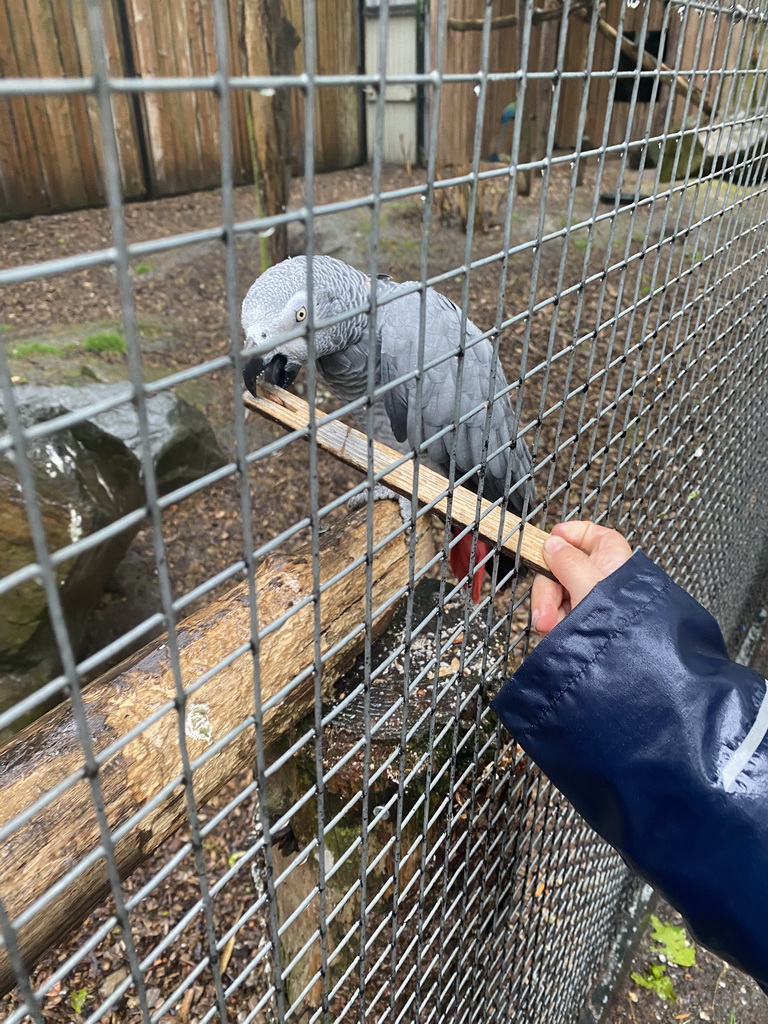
x: 294, y: 802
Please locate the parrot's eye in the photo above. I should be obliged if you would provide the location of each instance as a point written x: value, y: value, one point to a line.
x: 301, y: 314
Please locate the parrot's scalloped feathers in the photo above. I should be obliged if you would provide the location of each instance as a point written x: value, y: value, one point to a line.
x: 343, y: 353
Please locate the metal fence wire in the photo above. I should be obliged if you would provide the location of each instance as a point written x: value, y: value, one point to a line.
x: 244, y: 822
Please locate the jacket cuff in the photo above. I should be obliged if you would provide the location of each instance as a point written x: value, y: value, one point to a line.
x: 578, y: 642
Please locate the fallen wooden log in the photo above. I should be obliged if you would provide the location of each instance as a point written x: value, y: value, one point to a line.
x: 39, y: 853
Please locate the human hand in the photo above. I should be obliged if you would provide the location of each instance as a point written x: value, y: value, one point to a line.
x: 580, y: 554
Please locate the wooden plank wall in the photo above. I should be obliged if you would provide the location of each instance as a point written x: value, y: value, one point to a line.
x: 458, y: 102
x: 50, y: 150
x: 339, y: 141
x: 599, y: 89
x: 726, y: 46
x: 182, y: 129
x: 722, y: 45
x: 50, y: 153
x: 719, y: 43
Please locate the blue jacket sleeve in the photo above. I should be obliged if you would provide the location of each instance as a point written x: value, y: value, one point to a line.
x: 632, y: 707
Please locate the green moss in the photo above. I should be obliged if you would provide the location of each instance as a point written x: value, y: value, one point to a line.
x: 34, y: 348
x: 6, y: 327
x: 142, y: 268
x: 105, y: 341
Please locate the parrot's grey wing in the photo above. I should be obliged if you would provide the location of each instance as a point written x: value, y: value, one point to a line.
x: 398, y: 336
x: 440, y: 406
x: 346, y: 373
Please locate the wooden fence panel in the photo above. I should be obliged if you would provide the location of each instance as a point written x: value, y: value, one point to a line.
x: 21, y: 174
x: 182, y: 128
x: 633, y: 20
x: 159, y: 34
x: 339, y: 140
x: 722, y: 46
x: 123, y: 110
x: 50, y: 150
x: 713, y: 47
x: 572, y: 89
x: 458, y: 105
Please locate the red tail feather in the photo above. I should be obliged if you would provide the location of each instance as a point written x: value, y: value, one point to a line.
x: 459, y: 557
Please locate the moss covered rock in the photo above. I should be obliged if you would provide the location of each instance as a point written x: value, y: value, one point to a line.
x: 86, y: 477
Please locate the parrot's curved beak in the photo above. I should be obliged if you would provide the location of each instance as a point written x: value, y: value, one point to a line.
x: 276, y: 371
x: 252, y: 370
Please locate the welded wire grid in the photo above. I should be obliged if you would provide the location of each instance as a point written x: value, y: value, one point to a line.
x: 446, y: 880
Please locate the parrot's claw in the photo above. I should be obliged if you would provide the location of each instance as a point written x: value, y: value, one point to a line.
x: 382, y: 493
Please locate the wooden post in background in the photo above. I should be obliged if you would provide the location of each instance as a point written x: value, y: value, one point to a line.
x: 526, y: 109
x: 263, y: 44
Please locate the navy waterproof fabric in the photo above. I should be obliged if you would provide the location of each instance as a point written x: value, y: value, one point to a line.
x: 632, y: 707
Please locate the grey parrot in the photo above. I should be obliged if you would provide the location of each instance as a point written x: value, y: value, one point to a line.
x: 276, y: 304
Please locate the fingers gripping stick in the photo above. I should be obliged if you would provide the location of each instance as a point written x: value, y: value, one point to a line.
x: 352, y: 447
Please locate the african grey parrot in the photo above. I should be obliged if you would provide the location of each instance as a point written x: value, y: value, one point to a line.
x: 277, y: 304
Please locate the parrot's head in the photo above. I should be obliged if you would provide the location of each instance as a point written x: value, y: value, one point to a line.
x: 276, y: 314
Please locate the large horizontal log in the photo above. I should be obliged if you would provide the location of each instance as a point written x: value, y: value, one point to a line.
x: 41, y: 851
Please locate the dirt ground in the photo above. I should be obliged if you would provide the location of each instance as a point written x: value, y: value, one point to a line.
x: 572, y: 371
x: 711, y: 990
x: 576, y: 392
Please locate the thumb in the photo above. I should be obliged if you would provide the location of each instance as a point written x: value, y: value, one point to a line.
x: 572, y: 567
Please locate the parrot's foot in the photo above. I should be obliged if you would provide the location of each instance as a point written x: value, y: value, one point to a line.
x: 382, y: 493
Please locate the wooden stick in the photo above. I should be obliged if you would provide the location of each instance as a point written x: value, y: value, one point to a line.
x: 510, y: 20
x: 525, y: 111
x: 41, y: 851
x: 351, y: 446
x: 683, y: 87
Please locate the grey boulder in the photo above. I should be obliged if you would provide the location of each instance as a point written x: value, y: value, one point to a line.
x: 86, y: 477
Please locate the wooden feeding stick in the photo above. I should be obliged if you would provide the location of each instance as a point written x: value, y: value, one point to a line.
x: 352, y: 446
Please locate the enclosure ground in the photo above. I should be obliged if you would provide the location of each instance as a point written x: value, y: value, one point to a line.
x: 182, y: 317
x: 709, y: 991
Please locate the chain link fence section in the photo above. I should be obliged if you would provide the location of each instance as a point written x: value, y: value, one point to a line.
x: 375, y: 848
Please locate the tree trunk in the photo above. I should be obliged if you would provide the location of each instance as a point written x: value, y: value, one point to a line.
x: 266, y: 41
